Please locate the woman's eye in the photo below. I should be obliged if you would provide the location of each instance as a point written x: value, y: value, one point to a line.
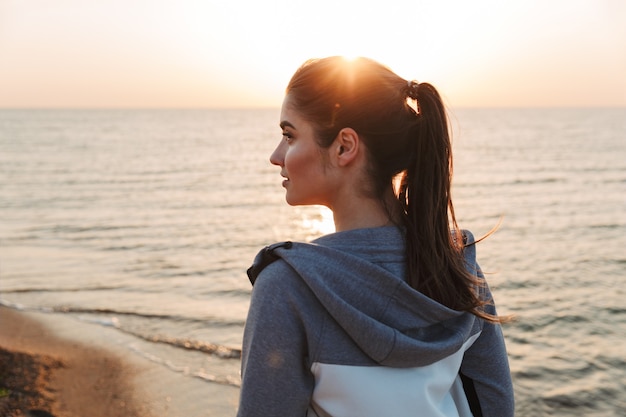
x: 287, y: 136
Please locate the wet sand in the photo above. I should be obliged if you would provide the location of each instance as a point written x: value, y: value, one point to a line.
x: 70, y: 368
x: 40, y: 371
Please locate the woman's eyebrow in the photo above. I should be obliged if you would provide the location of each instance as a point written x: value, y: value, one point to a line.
x: 285, y: 124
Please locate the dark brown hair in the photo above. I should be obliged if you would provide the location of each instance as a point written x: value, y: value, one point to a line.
x: 412, y: 144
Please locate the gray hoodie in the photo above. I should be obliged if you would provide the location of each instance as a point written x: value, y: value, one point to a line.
x: 334, y: 330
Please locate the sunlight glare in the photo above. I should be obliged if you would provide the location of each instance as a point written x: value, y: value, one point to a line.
x: 319, y: 221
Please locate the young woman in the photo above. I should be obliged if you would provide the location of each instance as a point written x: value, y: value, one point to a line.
x: 390, y: 315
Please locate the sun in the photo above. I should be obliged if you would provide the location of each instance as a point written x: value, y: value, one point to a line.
x: 349, y: 57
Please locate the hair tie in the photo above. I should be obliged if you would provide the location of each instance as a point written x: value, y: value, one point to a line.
x: 412, y: 89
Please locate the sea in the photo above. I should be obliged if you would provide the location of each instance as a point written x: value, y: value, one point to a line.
x: 143, y: 223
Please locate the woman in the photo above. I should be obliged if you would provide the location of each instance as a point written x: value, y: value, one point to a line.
x: 390, y: 315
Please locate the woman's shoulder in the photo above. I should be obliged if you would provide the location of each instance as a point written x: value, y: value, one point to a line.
x: 271, y: 274
x: 264, y: 258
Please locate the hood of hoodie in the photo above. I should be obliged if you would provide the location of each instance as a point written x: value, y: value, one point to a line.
x: 391, y: 322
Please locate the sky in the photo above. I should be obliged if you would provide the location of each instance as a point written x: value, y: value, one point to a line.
x: 241, y: 53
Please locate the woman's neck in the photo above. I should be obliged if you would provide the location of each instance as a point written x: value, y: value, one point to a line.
x: 364, y: 212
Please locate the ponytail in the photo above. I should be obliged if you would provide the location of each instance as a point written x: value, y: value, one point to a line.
x: 435, y: 263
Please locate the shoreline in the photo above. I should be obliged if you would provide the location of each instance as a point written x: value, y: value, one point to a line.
x: 81, y: 369
x: 40, y: 370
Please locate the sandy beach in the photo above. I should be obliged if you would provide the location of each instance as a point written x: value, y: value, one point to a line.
x: 41, y: 371
x: 70, y: 368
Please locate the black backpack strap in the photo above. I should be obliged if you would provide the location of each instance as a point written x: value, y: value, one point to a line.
x: 265, y: 257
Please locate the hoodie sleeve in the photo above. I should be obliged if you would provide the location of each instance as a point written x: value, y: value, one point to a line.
x: 276, y: 380
x: 485, y: 369
x: 486, y: 374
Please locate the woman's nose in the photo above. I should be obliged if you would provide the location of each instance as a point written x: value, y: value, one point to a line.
x: 278, y: 156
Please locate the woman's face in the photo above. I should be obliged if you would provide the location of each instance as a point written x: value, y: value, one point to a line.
x: 301, y: 161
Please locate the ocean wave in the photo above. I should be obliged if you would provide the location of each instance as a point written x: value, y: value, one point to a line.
x: 113, y: 312
x: 203, y: 375
x: 214, y: 349
x: 223, y: 352
x: 519, y: 181
x: 585, y: 400
x: 70, y: 289
x: 62, y: 228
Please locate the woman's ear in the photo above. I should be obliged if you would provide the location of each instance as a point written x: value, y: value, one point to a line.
x: 346, y: 146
